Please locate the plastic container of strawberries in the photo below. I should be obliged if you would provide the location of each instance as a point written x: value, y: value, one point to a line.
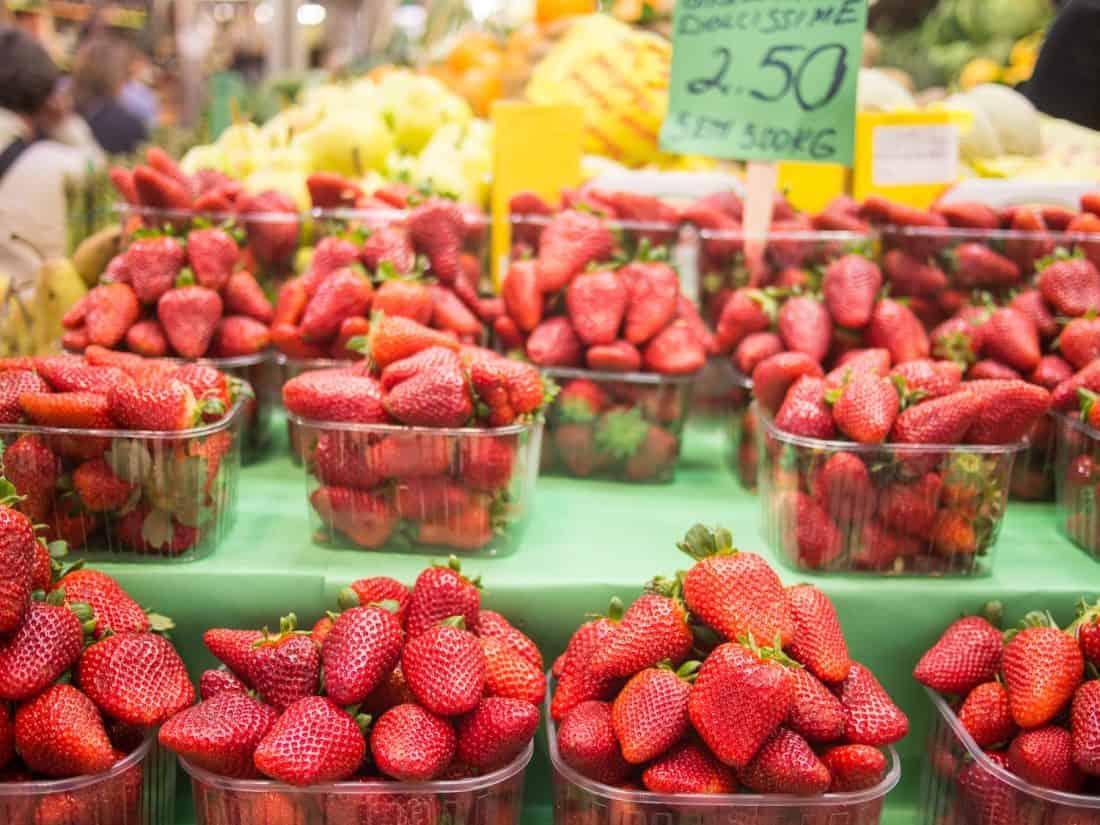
x: 654, y: 407
x: 960, y: 781
x: 1077, y: 477
x: 578, y: 799
x: 632, y: 237
x: 184, y: 496
x: 741, y: 426
x: 138, y: 790
x: 419, y: 489
x: 936, y: 509
x: 493, y: 799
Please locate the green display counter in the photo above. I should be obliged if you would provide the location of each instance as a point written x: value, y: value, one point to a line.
x: 587, y: 542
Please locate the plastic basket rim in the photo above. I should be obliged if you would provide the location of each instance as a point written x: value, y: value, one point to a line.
x: 734, y: 800
x: 229, y: 362
x: 1072, y: 423
x: 904, y: 449
x: 479, y: 220
x: 374, y: 787
x: 295, y: 217
x: 965, y: 233
x: 571, y: 373
x: 1002, y: 774
x: 405, y: 429
x: 806, y: 235
x: 535, y: 219
x: 284, y: 360
x: 160, y: 435
x: 42, y: 787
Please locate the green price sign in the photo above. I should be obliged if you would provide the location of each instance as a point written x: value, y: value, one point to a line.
x: 765, y: 79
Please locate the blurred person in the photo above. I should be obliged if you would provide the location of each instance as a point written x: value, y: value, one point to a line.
x: 42, y: 146
x: 137, y: 96
x: 100, y: 71
x: 1069, y: 66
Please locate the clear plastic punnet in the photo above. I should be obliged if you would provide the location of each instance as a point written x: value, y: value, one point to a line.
x: 1077, y: 476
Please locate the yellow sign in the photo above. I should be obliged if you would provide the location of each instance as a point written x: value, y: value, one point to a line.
x: 536, y: 148
x: 811, y: 186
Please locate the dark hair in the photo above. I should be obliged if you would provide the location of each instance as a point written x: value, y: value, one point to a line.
x: 27, y: 73
x: 100, y: 70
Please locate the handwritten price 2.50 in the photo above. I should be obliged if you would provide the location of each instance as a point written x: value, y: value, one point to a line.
x: 793, y: 67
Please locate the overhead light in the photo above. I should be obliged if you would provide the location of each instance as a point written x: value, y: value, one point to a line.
x: 264, y: 13
x: 311, y: 14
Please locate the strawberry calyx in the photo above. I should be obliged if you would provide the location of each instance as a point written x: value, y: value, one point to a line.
x: 82, y: 610
x: 768, y: 654
x: 621, y: 433
x: 687, y: 671
x: 906, y: 396
x: 454, y: 621
x: 454, y: 564
x: 614, y: 611
x: 9, y: 495
x: 701, y: 542
x: 186, y: 277
x: 288, y: 627
x: 1086, y: 614
x: 1060, y: 255
x: 1036, y: 618
x: 1087, y: 399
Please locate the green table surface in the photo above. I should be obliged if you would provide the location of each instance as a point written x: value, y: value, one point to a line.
x: 588, y: 541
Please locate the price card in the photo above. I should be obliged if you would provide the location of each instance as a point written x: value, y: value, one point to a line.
x: 765, y: 79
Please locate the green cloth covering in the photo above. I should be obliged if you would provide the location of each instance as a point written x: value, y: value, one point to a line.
x: 588, y: 541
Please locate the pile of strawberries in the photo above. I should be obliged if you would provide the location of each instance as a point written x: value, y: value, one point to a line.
x: 1030, y: 700
x: 164, y: 196
x: 187, y: 296
x: 418, y: 686
x: 127, y: 493
x: 84, y: 674
x: 722, y: 680
x: 420, y: 266
x: 407, y: 482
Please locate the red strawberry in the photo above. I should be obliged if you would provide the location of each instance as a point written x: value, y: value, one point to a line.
x: 818, y: 641
x: 943, y: 420
x: 221, y: 733
x: 153, y: 264
x: 689, y: 768
x: 652, y: 630
x: 866, y: 409
x: 222, y: 680
x: 46, y: 645
x: 495, y: 733
x: 774, y: 376
x: 1071, y: 286
x: 654, y: 457
x: 810, y: 536
x: 1051, y: 372
x: 17, y: 556
x: 871, y: 717
x: 926, y: 379
x: 1085, y: 720
x: 444, y: 667
x: 850, y: 286
x: 576, y: 682
x: 587, y: 743
x: 596, y: 303
x: 1032, y: 304
x: 987, y: 799
x: 99, y: 489
x: 510, y: 675
x: 522, y: 296
x: 854, y: 767
x: 189, y: 316
x: 271, y: 222
x: 1044, y: 757
x: 439, y: 593
x: 451, y: 314
x: 290, y: 302
x: 410, y: 744
x: 123, y: 180
x: 855, y: 362
x: 33, y: 470
x: 243, y: 295
x: 739, y: 699
x: 804, y: 411
x: 1011, y: 338
x: 158, y: 191
x: 60, y: 734
x: 327, y: 190
x: 137, y: 678
x: 13, y: 384
x: 412, y: 456
x: 237, y: 335
x: 1009, y: 411
x: 786, y: 764
x: 368, y: 519
x: 978, y: 266
x: 509, y: 388
x: 894, y: 327
x: 1066, y: 396
x: 147, y: 338
x: 746, y: 312
x: 486, y: 464
x: 654, y: 294
x: 650, y: 714
x: 406, y: 298
x: 373, y: 591
x: 284, y: 667
x: 110, y: 310
x: 805, y: 326
x: 343, y: 294
x: 330, y: 255
x: 436, y: 228
x: 816, y: 714
x: 212, y: 255
x: 314, y: 741
x: 676, y: 350
x: 911, y: 507
x: 619, y: 356
x: 492, y: 625
x: 1079, y: 342
x: 1026, y: 250
x: 335, y: 395
x: 166, y: 404
x: 1042, y: 669
x: 986, y: 715
x: 389, y: 245
x: 359, y: 652
x: 394, y: 338
x: 755, y: 348
x: 990, y: 369
x: 570, y: 241
x: 969, y: 215
x: 554, y: 343
x: 438, y: 397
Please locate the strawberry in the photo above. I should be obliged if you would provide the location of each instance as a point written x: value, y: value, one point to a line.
x: 166, y: 404
x: 569, y: 243
x: 343, y: 294
x: 619, y: 356
x: 394, y: 338
x: 740, y: 698
x: 733, y: 592
x: 359, y: 652
x: 33, y: 470
x: 389, y: 245
x: 451, y: 314
x: 805, y: 326
x: 368, y: 519
x: 987, y: 799
x: 554, y: 343
x: 410, y: 744
x: 1042, y: 669
x: 60, y: 734
x: 412, y: 456
x: 373, y: 591
x: 328, y: 190
x: 510, y: 675
x: 911, y: 507
x: 990, y: 369
x: 243, y: 295
x: 335, y: 395
x: 189, y: 316
x: 596, y: 303
x: 855, y: 362
x: 99, y: 489
x: 676, y: 350
x: 654, y: 292
x: 1085, y: 721
x: 123, y: 181
x: 587, y: 743
x: 943, y: 420
x: 1086, y: 224
x: 406, y: 298
x: 153, y: 264
x: 17, y: 557
x: 650, y: 714
x: 1026, y: 250
x: 46, y: 645
x: 894, y: 327
x: 978, y: 266
x: 1051, y: 372
x: 509, y: 388
x: 810, y: 536
x: 221, y: 733
x: 470, y: 529
x: 652, y: 630
x: 212, y: 255
x: 926, y: 379
x: 1071, y: 286
x: 314, y: 741
x: 79, y: 410
x: 755, y: 348
x: 1044, y: 757
x: 986, y: 715
x: 576, y: 682
x: 774, y: 376
x: 654, y: 457
x: 804, y: 411
x: 1066, y: 396
x: 1009, y: 411
x: 147, y: 338
x: 222, y: 680
x: 71, y: 374
x: 522, y: 296
x: 285, y: 666
x: 854, y: 767
x: 237, y: 335
x: 330, y: 255
x: 818, y: 641
x: 871, y: 717
x: 968, y: 215
x: 689, y: 768
x: 439, y: 593
x: 495, y: 733
x: 786, y: 764
x: 159, y: 191
x: 1079, y: 342
x: 273, y: 232
x: 351, y: 330
x: 136, y: 678
x: 850, y: 287
x: 427, y: 499
x: 111, y: 309
x: 866, y: 409
x: 234, y: 648
x: 843, y: 488
x: 1011, y: 338
x: 290, y: 302
x: 436, y: 228
x: 746, y: 312
x: 13, y: 384
x: 438, y: 397
x: 492, y: 625
x: 816, y: 714
x: 444, y: 667
x: 1032, y: 304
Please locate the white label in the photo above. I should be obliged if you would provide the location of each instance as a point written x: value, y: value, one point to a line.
x: 913, y: 155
